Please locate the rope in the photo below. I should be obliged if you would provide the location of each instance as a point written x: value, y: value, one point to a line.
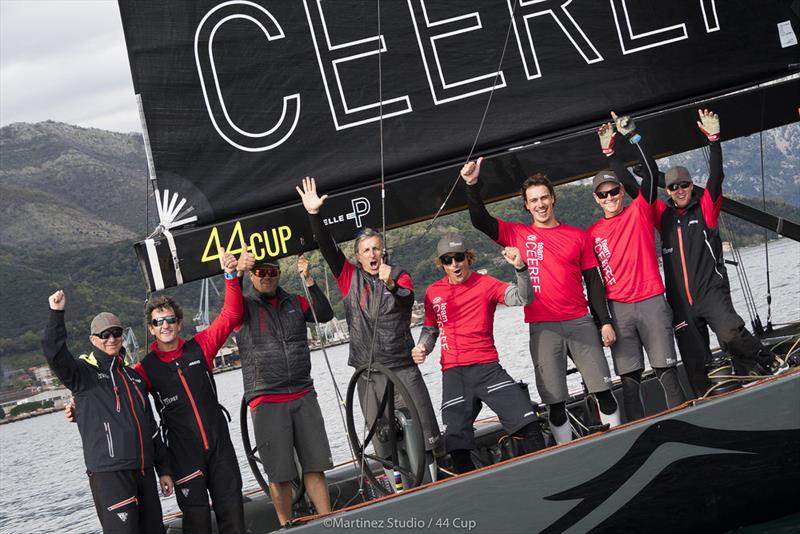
x: 328, y: 363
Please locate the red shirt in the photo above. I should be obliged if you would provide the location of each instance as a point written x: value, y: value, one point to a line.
x: 212, y: 338
x: 625, y: 247
x: 556, y: 258
x: 464, y: 314
x: 346, y: 277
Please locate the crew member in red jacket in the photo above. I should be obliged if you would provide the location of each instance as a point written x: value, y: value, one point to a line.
x: 179, y: 375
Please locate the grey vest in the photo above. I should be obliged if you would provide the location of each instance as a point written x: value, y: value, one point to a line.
x: 393, y: 341
x: 273, y: 346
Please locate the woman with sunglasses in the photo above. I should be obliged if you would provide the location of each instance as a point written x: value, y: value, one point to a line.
x: 694, y: 270
x: 624, y: 243
x: 121, y: 441
x: 378, y: 299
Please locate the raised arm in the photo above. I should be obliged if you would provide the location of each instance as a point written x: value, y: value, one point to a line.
x: 521, y: 292
x: 607, y: 135
x: 478, y: 214
x: 320, y: 303
x: 54, y: 345
x: 709, y: 125
x: 312, y: 202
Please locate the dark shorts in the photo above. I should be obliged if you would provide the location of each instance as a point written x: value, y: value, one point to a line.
x: 645, y: 324
x: 370, y: 394
x: 549, y: 344
x: 464, y: 389
x: 283, y: 428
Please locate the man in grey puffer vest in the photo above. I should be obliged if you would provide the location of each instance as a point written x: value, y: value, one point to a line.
x: 378, y: 299
x: 276, y: 371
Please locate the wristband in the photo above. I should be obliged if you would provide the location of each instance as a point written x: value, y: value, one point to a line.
x: 522, y: 269
x: 229, y: 276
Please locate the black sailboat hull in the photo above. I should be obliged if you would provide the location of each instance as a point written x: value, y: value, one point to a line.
x: 713, y: 466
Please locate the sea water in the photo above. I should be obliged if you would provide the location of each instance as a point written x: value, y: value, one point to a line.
x: 43, y: 484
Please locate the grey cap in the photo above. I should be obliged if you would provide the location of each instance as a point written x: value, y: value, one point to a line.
x: 267, y: 263
x: 677, y: 175
x: 451, y: 243
x: 103, y: 321
x: 603, y: 177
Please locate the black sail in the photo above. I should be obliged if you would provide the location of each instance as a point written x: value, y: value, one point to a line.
x: 241, y: 99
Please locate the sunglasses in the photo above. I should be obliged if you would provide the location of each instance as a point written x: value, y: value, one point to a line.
x: 261, y: 272
x: 447, y: 259
x: 682, y: 185
x: 111, y: 332
x: 169, y: 319
x: 605, y: 194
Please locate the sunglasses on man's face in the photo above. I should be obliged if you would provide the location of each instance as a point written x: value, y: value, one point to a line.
x: 447, y: 259
x: 111, y: 332
x: 169, y: 319
x: 682, y: 185
x: 261, y: 272
x: 611, y: 192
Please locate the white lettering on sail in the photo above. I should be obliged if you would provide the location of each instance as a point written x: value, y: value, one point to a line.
x: 558, y: 10
x: 709, y: 7
x: 330, y: 56
x: 207, y: 71
x: 631, y: 42
x: 441, y: 90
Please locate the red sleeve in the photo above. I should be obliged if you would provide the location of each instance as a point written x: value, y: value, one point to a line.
x: 588, y: 259
x: 212, y: 338
x: 505, y: 233
x: 659, y: 207
x: 404, y: 280
x: 139, y: 368
x: 430, y: 315
x: 345, y: 278
x: 303, y: 303
x: 710, y: 208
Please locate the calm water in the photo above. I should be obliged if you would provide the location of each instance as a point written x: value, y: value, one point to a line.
x: 43, y: 485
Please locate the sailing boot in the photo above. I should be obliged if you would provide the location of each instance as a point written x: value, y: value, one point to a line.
x: 561, y: 433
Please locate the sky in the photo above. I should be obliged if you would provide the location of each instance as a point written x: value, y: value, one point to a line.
x: 65, y: 60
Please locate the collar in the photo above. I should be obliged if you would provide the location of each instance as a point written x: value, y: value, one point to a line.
x: 168, y: 356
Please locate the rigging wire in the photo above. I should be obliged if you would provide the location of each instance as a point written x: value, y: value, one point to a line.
x: 764, y: 208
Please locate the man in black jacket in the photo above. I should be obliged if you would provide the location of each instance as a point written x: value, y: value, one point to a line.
x: 121, y: 441
x: 276, y: 372
x: 694, y: 270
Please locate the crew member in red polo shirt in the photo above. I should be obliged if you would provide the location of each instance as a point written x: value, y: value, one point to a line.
x: 459, y: 310
x: 624, y: 243
x: 559, y: 257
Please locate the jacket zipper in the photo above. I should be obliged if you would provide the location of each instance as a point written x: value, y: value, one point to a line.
x: 194, y: 408
x: 282, y: 334
x: 683, y: 265
x: 711, y: 250
x: 135, y: 418
x: 109, y: 439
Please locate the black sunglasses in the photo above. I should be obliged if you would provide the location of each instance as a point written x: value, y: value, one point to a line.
x: 682, y: 185
x: 261, y: 272
x: 447, y: 259
x: 611, y: 192
x: 111, y: 332
x: 169, y: 319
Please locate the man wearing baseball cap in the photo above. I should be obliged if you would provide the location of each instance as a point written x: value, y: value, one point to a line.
x: 459, y: 310
x: 121, y: 441
x: 624, y: 243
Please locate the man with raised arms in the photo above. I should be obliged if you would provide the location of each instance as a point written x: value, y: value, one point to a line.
x: 459, y: 310
x: 121, y: 441
x: 694, y: 271
x: 558, y: 257
x: 179, y: 375
x: 278, y: 388
x: 624, y: 243
x: 378, y: 299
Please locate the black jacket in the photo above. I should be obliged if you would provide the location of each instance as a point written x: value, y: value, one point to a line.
x: 111, y: 406
x: 273, y: 343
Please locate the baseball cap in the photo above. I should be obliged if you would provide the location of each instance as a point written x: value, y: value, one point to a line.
x: 451, y: 243
x: 677, y: 175
x: 103, y: 321
x: 603, y: 177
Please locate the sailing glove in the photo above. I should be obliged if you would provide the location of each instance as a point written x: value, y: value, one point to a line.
x: 627, y: 127
x: 607, y: 138
x: 709, y: 125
